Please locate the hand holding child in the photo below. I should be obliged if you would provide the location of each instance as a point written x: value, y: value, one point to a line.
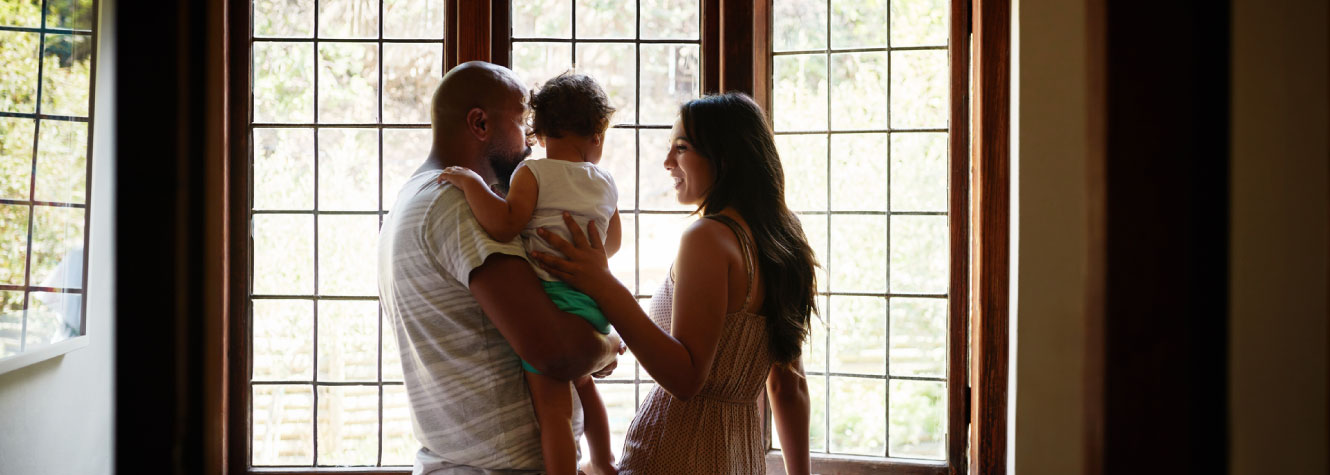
x: 462, y: 177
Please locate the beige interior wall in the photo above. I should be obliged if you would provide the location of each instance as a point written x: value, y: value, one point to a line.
x: 1049, y: 155
x: 1279, y: 216
x: 56, y: 415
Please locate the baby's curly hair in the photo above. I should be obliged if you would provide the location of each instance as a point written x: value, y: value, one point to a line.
x: 570, y: 103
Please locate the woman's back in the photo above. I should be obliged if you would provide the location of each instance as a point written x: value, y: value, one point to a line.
x: 718, y: 430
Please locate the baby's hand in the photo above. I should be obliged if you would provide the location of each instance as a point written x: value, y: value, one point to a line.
x: 460, y: 177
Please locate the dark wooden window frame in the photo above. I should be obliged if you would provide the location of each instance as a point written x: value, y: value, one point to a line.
x: 736, y: 52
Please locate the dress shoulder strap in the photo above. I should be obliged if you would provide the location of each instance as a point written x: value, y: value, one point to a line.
x: 747, y: 247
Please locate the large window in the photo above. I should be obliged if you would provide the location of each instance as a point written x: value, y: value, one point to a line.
x: 861, y: 102
x: 46, y: 49
x: 860, y: 107
x: 340, y: 117
x: 646, y: 55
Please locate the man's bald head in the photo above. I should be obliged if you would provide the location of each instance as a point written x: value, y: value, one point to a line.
x: 473, y: 85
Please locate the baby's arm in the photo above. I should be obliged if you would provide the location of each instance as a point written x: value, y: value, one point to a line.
x: 613, y: 235
x: 501, y: 217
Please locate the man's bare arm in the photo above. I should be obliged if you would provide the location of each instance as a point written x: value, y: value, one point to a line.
x: 558, y: 344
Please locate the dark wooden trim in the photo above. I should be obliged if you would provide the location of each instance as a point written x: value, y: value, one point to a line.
x: 450, y: 33
x: 737, y: 46
x: 825, y: 464
x: 237, y: 344
x: 1096, y: 237
x: 992, y: 208
x: 762, y: 47
x: 471, y: 31
x: 958, y: 315
x: 711, y: 46
x: 216, y: 226
x: 501, y: 32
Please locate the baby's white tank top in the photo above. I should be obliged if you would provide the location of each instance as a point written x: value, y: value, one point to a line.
x: 580, y: 188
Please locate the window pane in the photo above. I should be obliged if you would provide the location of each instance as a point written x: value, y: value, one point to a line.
x: 804, y: 158
x: 612, y: 66
x: 411, y: 72
x: 658, y: 246
x: 859, y: 170
x: 919, y: 337
x: 622, y: 264
x: 919, y: 172
x: 403, y: 152
x: 413, y: 19
x: 283, y: 427
x: 919, y: 89
x: 62, y: 162
x: 348, y: 19
x: 21, y: 13
x: 13, y: 232
x: 657, y: 185
x: 57, y: 247
x: 919, y: 254
x: 348, y: 169
x: 283, y: 340
x: 542, y: 19
x: 799, y: 25
x: 392, y: 355
x: 284, y: 169
x: 671, y: 76
x: 858, y: 24
x: 283, y: 254
x: 859, y: 256
x: 800, y: 92
x: 619, y: 157
x: 348, y: 425
x: 536, y: 63
x: 858, y: 416
x: 606, y: 19
x: 670, y: 19
x: 11, y: 322
x: 858, y: 335
x: 348, y: 340
x: 73, y: 14
x: 815, y: 229
x: 918, y: 419
x: 348, y: 251
x: 859, y: 92
x: 53, y: 317
x: 66, y: 70
x: 918, y: 22
x: 348, y: 82
x: 16, y: 156
x: 283, y: 82
x: 815, y: 346
x: 284, y: 18
x: 18, y: 83
x: 399, y: 441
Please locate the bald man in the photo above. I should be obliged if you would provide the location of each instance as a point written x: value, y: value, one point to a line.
x: 463, y: 306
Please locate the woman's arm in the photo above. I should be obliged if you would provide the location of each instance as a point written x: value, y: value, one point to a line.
x: 787, y: 389
x: 501, y: 217
x: 679, y: 360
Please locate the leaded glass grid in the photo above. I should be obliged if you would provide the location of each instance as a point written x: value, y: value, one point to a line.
x: 860, y: 108
x: 646, y: 54
x: 48, y: 49
x: 339, y: 119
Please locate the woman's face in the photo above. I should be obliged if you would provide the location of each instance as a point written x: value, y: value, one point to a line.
x: 693, y: 174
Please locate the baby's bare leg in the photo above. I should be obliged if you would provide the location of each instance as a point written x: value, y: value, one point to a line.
x: 597, y: 428
x: 553, y: 400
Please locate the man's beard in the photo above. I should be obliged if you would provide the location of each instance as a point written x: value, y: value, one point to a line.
x: 503, y: 164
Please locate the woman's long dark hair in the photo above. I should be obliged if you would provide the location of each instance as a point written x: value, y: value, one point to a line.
x: 731, y: 131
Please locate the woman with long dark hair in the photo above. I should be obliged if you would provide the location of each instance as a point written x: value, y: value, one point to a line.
x: 732, y: 316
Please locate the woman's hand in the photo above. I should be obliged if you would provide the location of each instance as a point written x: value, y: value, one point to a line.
x: 585, y: 266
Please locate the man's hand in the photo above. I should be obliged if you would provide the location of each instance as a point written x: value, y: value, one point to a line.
x: 605, y: 372
x: 462, y: 177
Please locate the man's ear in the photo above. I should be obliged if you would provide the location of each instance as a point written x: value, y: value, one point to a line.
x: 477, y: 123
